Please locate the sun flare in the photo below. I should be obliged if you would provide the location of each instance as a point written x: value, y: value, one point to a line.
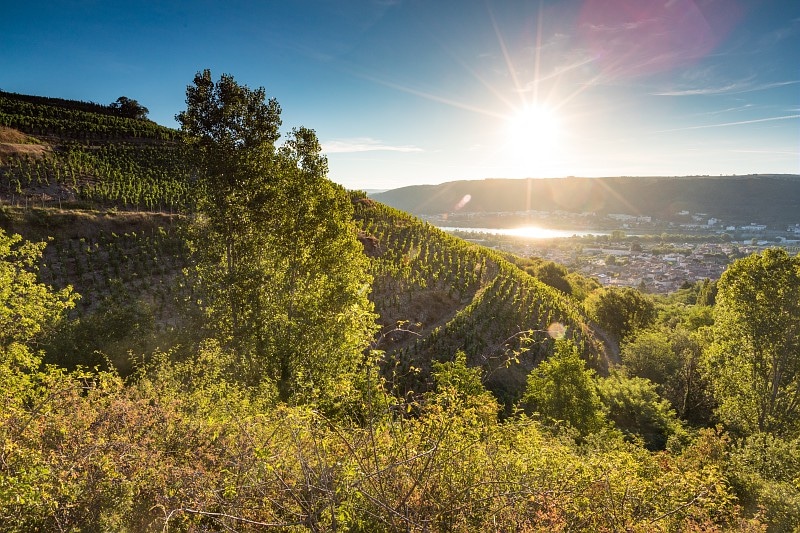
x: 533, y: 126
x: 533, y: 140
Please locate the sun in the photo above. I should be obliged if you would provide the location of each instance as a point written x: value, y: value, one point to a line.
x: 533, y: 140
x: 533, y: 126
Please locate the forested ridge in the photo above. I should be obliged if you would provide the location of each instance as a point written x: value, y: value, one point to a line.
x: 767, y: 198
x: 200, y: 332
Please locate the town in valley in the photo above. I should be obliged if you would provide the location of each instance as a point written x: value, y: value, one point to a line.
x: 617, y: 249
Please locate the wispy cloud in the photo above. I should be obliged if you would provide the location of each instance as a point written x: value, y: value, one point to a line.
x: 768, y: 152
x: 731, y: 88
x: 726, y: 124
x: 364, y: 144
x: 732, y: 110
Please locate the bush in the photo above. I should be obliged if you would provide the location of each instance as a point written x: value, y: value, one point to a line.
x: 636, y: 408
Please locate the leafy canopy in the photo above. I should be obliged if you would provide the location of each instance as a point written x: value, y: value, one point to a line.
x: 620, y: 311
x: 129, y: 108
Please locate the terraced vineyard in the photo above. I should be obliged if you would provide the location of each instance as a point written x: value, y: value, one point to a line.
x: 437, y: 295
x: 129, y: 270
x: 109, y: 191
x: 79, y: 121
x: 54, y: 156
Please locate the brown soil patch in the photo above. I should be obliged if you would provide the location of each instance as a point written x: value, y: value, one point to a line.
x: 372, y: 246
x: 35, y: 150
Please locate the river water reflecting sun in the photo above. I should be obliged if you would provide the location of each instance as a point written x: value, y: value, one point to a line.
x: 527, y: 232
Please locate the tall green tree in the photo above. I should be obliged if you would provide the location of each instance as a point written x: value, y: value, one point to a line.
x: 231, y: 131
x: 285, y: 275
x: 754, y: 360
x: 671, y: 359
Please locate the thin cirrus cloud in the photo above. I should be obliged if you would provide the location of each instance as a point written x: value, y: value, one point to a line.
x: 738, y: 123
x: 364, y: 144
x: 733, y: 88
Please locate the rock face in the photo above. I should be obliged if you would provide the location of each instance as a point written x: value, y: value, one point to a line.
x: 372, y: 246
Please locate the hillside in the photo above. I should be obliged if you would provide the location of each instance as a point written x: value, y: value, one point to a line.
x: 110, y: 197
x: 138, y: 403
x: 450, y: 295
x: 57, y: 153
x: 769, y: 199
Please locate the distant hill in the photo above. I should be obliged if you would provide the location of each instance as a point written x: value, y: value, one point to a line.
x: 766, y: 198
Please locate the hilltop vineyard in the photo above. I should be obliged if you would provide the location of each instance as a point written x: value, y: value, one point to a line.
x: 84, y: 155
x: 49, y: 117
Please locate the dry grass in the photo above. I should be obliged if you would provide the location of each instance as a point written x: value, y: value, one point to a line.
x: 10, y: 135
x: 15, y: 143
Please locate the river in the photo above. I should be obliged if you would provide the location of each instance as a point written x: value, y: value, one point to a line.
x: 529, y: 232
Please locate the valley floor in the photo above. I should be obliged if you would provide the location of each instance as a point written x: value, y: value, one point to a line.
x: 658, y: 267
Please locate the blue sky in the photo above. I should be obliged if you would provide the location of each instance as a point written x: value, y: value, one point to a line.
x: 406, y: 92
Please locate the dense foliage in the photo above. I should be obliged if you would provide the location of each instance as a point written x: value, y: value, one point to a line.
x: 755, y: 358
